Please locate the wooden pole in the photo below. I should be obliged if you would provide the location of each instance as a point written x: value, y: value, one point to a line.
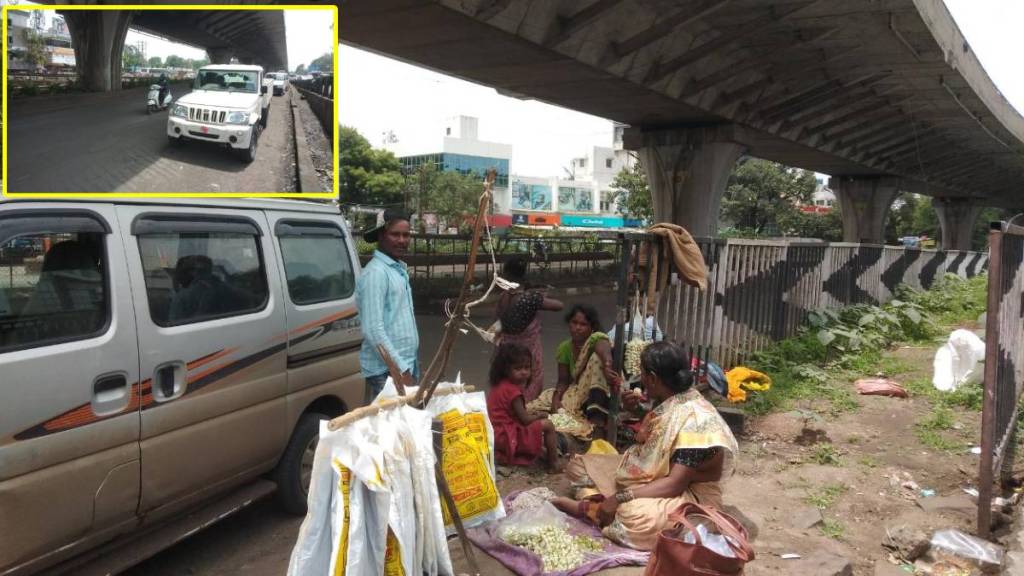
x: 386, y: 404
x: 393, y: 370
x: 451, y: 330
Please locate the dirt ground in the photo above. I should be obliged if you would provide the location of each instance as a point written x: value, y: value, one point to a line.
x: 809, y: 481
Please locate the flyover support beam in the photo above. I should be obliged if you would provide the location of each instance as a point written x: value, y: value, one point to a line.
x: 220, y: 55
x: 687, y: 171
x: 956, y: 220
x: 864, y: 203
x: 98, y: 40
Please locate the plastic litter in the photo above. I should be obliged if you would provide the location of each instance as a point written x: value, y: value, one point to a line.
x: 959, y: 361
x: 879, y: 387
x: 975, y: 450
x: 927, y: 493
x: 981, y: 552
x: 790, y: 556
x: 717, y: 543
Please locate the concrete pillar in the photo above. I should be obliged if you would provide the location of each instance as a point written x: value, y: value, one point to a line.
x: 956, y: 219
x: 98, y: 40
x: 687, y: 171
x: 864, y: 202
x: 220, y: 55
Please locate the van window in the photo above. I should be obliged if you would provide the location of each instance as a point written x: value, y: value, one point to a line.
x: 196, y: 276
x: 53, y: 288
x: 316, y: 262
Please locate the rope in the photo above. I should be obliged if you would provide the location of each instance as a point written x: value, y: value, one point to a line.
x: 496, y: 280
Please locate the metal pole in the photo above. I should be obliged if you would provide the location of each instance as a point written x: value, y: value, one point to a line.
x: 618, y: 351
x: 988, y: 413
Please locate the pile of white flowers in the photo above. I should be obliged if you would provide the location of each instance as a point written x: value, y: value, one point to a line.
x: 631, y: 362
x: 558, y: 549
x: 563, y: 420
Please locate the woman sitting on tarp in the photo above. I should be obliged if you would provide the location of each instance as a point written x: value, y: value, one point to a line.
x: 586, y: 378
x: 685, y: 448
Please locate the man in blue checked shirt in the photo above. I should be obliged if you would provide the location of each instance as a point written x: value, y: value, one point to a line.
x: 384, y: 299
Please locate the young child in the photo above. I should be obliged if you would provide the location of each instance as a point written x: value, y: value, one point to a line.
x: 519, y: 437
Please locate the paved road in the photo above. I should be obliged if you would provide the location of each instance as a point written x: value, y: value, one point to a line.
x: 258, y: 541
x: 107, y: 143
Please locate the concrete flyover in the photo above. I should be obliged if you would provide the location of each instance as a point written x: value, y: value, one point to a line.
x: 253, y: 37
x: 885, y: 95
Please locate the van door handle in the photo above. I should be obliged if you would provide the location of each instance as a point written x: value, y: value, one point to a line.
x: 110, y: 394
x: 169, y: 381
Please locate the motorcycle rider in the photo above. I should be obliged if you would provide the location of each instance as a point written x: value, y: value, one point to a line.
x: 162, y: 82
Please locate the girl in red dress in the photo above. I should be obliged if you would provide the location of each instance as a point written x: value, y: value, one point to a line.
x: 519, y: 437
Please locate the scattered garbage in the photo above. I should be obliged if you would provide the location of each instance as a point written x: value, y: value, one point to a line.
x: 981, y: 553
x: 973, y: 492
x: 975, y: 450
x: 879, y: 387
x: 959, y: 361
x: 927, y: 493
x: 790, y: 556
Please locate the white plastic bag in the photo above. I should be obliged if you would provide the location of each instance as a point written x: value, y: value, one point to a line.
x: 717, y: 543
x: 983, y: 553
x: 959, y: 361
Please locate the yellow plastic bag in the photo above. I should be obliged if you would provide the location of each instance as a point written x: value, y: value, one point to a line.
x: 742, y: 378
x: 601, y: 447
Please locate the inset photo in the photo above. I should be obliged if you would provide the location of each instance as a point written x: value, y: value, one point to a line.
x: 151, y: 100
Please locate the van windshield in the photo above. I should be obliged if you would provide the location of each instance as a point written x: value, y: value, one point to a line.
x: 226, y: 80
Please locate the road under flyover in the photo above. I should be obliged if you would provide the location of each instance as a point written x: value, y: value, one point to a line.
x: 886, y: 95
x: 253, y: 37
x: 108, y: 143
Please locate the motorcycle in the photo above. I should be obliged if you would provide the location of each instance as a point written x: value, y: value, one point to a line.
x: 152, y: 104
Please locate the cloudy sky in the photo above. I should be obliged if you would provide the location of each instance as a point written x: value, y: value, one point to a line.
x: 380, y: 95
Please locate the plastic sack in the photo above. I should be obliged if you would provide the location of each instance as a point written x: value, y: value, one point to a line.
x: 717, y: 543
x: 959, y: 361
x: 981, y: 552
x: 467, y: 460
x: 532, y: 518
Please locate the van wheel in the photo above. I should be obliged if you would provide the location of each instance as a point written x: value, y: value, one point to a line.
x: 295, y: 469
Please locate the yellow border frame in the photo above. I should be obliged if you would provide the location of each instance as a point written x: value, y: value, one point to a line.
x: 109, y: 195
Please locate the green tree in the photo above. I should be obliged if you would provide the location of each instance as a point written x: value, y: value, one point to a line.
x: 762, y: 196
x: 323, y: 63
x: 131, y: 57
x: 633, y: 193
x: 300, y: 69
x: 451, y: 195
x: 155, y: 62
x: 197, y: 64
x: 174, y: 61
x: 367, y: 175
x: 925, y: 221
x: 35, y: 47
x: 900, y: 220
x: 827, y: 226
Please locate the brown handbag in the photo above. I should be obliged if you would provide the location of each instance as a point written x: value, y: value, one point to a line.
x: 674, y: 557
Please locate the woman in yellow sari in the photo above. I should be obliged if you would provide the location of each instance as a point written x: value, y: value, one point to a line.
x: 586, y: 378
x: 685, y: 449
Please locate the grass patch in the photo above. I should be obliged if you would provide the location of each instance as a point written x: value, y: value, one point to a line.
x: 825, y: 496
x: 826, y: 455
x: 930, y: 430
x: 869, y: 462
x: 832, y: 528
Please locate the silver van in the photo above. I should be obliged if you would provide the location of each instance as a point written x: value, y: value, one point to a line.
x: 160, y: 357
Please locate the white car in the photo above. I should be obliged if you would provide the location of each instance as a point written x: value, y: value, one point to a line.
x: 280, y: 82
x: 229, y: 105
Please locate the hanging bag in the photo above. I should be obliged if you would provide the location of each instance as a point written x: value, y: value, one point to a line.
x: 673, y: 555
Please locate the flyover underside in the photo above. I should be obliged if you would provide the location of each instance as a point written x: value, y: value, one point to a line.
x: 843, y: 87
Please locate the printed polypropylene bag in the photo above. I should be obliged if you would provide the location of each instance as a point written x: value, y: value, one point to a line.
x: 467, y: 460
x: 959, y: 361
x: 340, y: 532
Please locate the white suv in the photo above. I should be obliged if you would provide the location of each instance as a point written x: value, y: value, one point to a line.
x: 229, y: 105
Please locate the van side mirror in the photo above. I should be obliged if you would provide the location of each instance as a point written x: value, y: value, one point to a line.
x: 263, y: 90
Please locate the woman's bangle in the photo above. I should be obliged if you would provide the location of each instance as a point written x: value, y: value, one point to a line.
x: 624, y: 496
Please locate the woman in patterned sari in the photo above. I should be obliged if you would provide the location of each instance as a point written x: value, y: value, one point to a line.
x: 586, y: 378
x: 685, y: 448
